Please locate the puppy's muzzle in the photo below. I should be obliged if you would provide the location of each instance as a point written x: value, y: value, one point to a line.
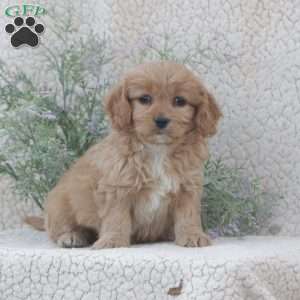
x: 161, y: 122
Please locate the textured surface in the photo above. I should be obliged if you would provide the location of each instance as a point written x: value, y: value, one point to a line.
x: 248, y: 52
x: 252, y: 268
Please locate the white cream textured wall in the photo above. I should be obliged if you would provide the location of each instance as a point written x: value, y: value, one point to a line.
x: 247, y: 52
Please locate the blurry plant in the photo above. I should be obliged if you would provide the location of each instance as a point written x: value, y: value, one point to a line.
x: 46, y: 126
x: 232, y: 203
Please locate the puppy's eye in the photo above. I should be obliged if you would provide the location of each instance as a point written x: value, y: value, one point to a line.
x: 179, y: 101
x: 145, y: 99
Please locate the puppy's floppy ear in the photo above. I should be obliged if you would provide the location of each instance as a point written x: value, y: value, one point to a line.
x: 208, y: 115
x: 118, y: 108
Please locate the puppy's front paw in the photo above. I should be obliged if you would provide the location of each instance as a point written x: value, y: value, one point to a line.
x: 110, y: 242
x: 193, y: 239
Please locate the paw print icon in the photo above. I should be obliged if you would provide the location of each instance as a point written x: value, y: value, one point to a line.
x: 24, y: 33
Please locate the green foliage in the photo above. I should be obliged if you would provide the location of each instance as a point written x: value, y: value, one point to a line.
x: 232, y: 203
x: 45, y: 126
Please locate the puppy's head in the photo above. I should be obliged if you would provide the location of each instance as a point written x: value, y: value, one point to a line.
x: 161, y: 102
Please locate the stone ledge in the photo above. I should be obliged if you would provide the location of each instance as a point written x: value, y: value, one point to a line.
x: 31, y: 267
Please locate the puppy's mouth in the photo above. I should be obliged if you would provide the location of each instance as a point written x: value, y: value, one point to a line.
x: 155, y: 135
x: 160, y: 132
x: 161, y: 137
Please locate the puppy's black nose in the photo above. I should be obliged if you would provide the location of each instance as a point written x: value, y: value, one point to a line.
x: 161, y: 122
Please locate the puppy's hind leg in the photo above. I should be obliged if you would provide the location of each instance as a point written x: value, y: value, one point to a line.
x: 62, y: 227
x: 77, y: 237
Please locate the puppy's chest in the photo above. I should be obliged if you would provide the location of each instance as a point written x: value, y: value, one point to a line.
x: 154, y: 200
x: 160, y: 174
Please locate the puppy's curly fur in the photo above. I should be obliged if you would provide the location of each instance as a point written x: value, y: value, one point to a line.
x: 143, y: 182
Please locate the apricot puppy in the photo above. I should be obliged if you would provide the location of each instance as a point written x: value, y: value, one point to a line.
x: 143, y: 182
